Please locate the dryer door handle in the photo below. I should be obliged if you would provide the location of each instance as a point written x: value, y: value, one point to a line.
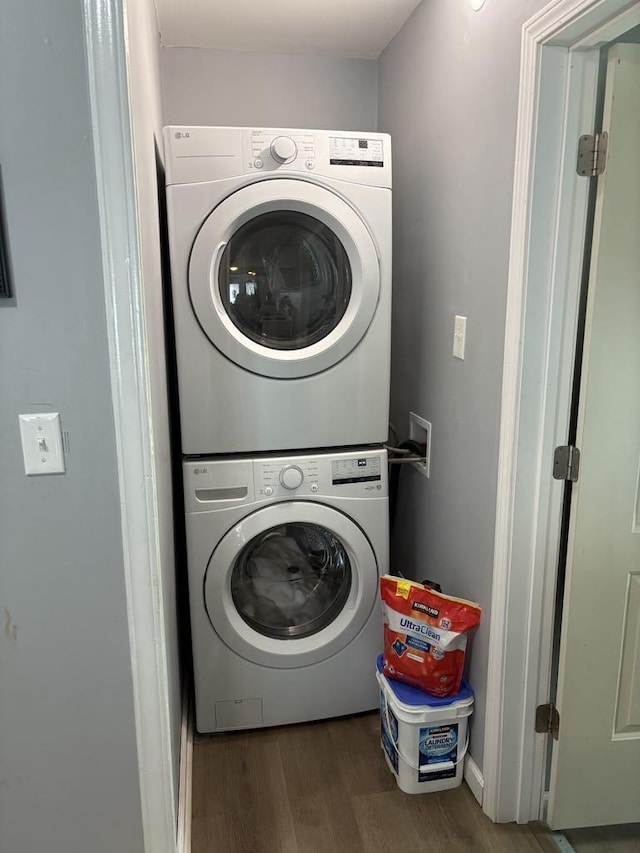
x: 214, y: 272
x: 217, y: 256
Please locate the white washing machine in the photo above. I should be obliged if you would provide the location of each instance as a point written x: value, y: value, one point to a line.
x: 280, y: 244
x: 284, y: 557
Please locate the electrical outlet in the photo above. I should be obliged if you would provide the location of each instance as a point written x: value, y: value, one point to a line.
x: 420, y: 431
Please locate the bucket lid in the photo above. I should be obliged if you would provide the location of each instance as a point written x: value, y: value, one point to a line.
x: 412, y: 696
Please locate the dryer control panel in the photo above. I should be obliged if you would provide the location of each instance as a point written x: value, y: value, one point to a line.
x: 199, y: 154
x: 269, y: 151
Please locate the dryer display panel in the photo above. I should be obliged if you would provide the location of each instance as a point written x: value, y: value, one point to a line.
x: 285, y: 280
x: 355, y: 152
x: 291, y: 581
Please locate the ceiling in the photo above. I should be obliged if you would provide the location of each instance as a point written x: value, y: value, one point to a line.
x: 352, y: 28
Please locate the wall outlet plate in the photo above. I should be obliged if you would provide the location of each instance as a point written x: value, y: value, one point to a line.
x: 420, y: 431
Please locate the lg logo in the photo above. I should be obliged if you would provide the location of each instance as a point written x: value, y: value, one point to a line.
x: 180, y: 135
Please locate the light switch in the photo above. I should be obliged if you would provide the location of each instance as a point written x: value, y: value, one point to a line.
x: 459, y: 336
x: 42, y: 443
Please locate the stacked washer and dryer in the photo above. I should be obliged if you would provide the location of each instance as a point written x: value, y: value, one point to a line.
x: 280, y: 244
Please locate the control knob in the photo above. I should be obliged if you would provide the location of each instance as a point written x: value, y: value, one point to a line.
x: 291, y: 477
x: 283, y: 149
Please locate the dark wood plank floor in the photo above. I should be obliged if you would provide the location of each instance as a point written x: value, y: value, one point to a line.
x: 325, y: 788
x: 606, y: 839
x: 601, y: 839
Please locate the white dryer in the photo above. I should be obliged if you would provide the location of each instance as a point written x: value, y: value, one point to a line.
x: 284, y: 558
x: 280, y: 244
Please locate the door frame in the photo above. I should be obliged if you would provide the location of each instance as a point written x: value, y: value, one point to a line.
x: 558, y: 84
x: 163, y: 822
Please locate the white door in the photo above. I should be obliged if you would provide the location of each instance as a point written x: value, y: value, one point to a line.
x: 595, y: 775
x: 284, y: 278
x: 291, y: 584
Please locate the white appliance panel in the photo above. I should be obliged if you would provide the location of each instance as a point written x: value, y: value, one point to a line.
x: 248, y: 678
x: 245, y: 384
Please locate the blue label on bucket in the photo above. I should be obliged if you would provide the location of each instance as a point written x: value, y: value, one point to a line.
x: 389, y: 720
x: 388, y: 731
x: 389, y: 748
x: 437, y: 745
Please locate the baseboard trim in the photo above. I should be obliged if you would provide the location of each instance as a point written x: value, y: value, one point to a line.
x: 474, y: 778
x: 183, y: 844
x: 544, y: 806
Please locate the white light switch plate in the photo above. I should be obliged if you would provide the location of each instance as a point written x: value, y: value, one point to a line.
x: 459, y: 336
x: 42, y: 443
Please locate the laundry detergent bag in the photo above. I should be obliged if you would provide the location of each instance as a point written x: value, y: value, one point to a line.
x: 425, y: 635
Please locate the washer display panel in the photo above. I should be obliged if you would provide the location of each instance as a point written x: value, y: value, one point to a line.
x: 291, y: 584
x: 285, y: 280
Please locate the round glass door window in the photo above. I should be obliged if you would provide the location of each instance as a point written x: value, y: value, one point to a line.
x: 285, y: 280
x: 291, y: 581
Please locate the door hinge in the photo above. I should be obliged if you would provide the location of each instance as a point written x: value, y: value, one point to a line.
x: 566, y: 463
x: 592, y: 154
x: 548, y: 720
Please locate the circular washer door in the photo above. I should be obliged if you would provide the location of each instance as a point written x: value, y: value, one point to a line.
x: 291, y: 584
x: 284, y: 278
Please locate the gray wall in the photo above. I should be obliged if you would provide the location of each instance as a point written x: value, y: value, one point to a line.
x: 448, y: 92
x: 236, y: 88
x: 146, y: 114
x: 68, y: 761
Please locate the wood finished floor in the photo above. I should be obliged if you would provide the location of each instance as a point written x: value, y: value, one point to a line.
x: 325, y: 788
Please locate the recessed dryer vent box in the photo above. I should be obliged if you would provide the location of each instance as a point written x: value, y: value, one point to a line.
x: 420, y: 431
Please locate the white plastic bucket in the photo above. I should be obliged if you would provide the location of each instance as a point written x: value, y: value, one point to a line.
x: 424, y: 744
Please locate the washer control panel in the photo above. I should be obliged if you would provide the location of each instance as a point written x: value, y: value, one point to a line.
x: 214, y: 484
x: 285, y: 477
x: 363, y: 469
x: 291, y: 477
x: 349, y: 474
